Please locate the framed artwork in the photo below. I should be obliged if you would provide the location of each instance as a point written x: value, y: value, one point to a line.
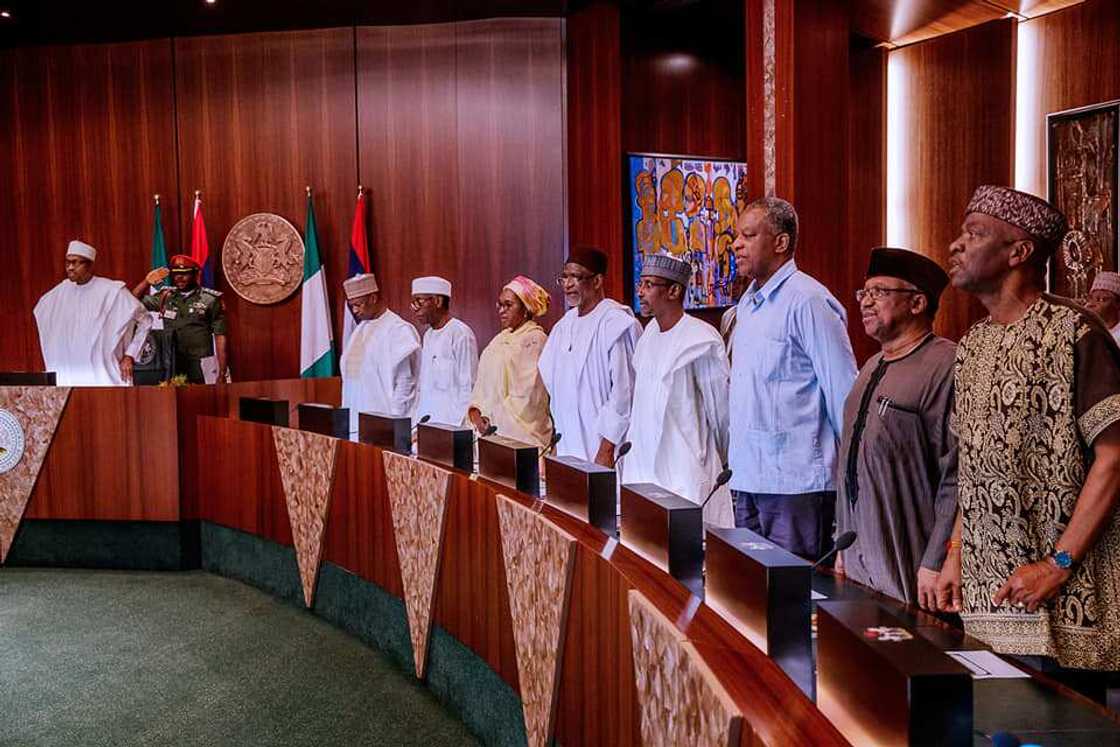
x: 687, y: 207
x: 1083, y: 174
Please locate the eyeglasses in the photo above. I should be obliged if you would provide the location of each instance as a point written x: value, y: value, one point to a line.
x: 646, y: 284
x: 876, y: 293
x: 565, y: 277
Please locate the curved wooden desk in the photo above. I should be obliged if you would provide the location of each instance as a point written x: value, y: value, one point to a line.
x: 598, y: 699
x: 162, y: 478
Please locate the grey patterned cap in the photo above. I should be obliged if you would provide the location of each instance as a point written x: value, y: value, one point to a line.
x: 668, y: 267
x: 1034, y: 215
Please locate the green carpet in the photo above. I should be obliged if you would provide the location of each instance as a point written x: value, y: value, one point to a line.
x: 112, y: 657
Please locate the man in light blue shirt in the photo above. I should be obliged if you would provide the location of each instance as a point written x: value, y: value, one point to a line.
x: 792, y: 370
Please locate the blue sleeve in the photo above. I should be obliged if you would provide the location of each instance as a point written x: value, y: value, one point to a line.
x: 823, y: 330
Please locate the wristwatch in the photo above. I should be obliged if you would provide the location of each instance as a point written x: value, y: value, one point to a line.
x: 1062, y: 559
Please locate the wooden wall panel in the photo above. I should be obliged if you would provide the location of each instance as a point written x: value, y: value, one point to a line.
x: 513, y: 217
x: 595, y: 194
x: 359, y: 533
x: 597, y: 673
x: 683, y: 82
x: 867, y: 174
x: 242, y: 488
x: 473, y: 577
x: 86, y: 139
x: 260, y: 117
x: 820, y: 159
x: 407, y: 121
x: 115, y: 456
x: 1073, y: 59
x: 193, y: 401
x: 956, y: 106
x: 462, y: 131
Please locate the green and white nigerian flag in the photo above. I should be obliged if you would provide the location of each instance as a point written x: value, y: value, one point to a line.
x: 159, y: 249
x: 316, y: 342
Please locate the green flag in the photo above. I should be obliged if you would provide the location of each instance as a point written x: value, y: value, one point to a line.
x: 316, y: 343
x: 159, y: 249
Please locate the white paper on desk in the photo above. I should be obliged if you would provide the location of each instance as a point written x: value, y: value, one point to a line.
x: 816, y: 595
x: 209, y: 366
x: 986, y: 665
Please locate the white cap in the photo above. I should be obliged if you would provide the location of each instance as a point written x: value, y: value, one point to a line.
x: 81, y: 249
x: 359, y: 285
x: 431, y: 285
x: 1107, y: 281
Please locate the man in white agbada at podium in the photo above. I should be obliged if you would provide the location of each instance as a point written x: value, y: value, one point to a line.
x: 91, y: 329
x: 449, y: 361
x: 381, y: 362
x: 587, y: 363
x: 678, y: 429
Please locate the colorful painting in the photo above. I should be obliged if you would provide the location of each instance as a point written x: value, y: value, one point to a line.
x: 1083, y: 178
x: 687, y: 207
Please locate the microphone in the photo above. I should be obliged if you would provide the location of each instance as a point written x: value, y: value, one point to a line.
x: 723, y: 479
x: 420, y: 422
x: 623, y: 450
x: 843, y: 542
x: 556, y: 436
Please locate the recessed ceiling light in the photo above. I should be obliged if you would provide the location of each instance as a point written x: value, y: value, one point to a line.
x: 211, y: 2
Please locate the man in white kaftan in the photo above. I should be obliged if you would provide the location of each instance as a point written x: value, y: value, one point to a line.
x: 449, y: 360
x: 382, y: 358
x: 587, y: 364
x: 91, y: 329
x: 678, y: 428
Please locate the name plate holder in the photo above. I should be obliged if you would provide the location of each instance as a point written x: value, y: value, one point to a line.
x: 585, y: 490
x: 324, y: 419
x: 665, y: 529
x: 386, y: 431
x: 510, y: 462
x: 880, y: 683
x: 764, y: 592
x: 28, y: 378
x: 263, y: 410
x: 449, y: 445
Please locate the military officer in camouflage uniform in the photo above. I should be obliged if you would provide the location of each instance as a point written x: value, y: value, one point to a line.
x: 196, y: 315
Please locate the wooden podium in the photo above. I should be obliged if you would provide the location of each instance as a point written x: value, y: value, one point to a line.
x: 882, y: 691
x: 509, y: 462
x: 667, y: 530
x: 449, y: 445
x: 386, y: 431
x: 263, y: 410
x: 585, y: 490
x: 764, y: 592
x: 324, y: 419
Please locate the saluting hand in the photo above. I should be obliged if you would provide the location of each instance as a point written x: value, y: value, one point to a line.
x: 157, y: 275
